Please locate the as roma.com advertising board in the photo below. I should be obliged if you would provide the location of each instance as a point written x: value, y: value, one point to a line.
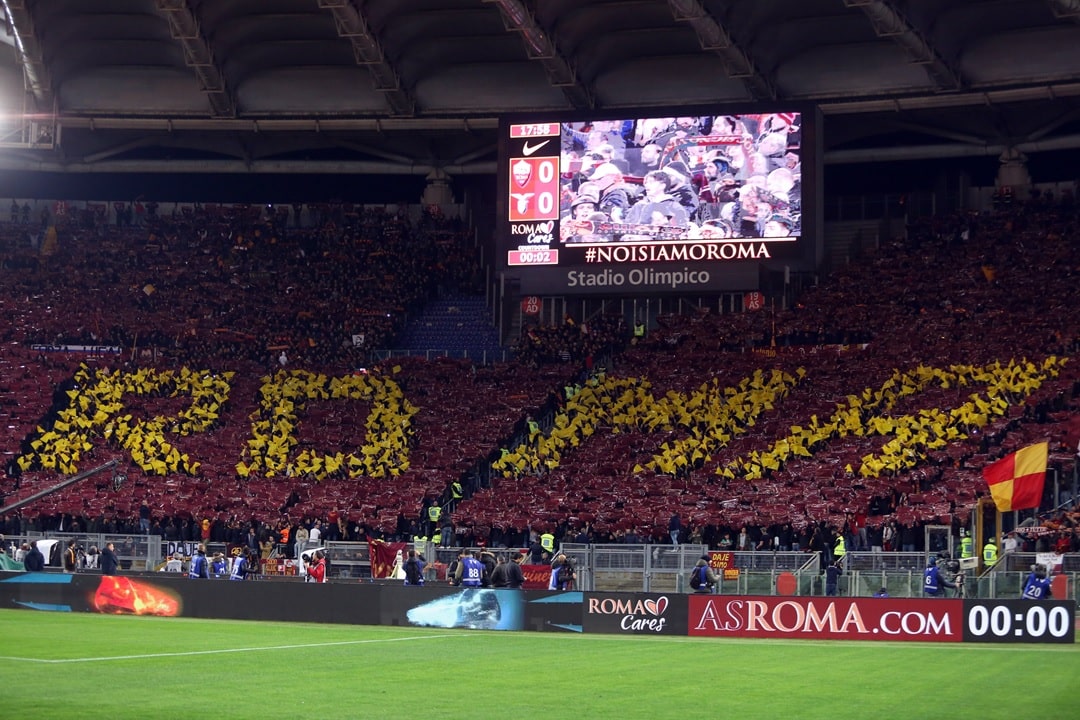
x: 921, y: 620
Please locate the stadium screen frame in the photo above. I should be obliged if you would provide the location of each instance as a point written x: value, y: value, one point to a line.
x: 759, y: 171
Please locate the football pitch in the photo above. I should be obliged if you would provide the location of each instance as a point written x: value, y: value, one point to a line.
x: 61, y: 665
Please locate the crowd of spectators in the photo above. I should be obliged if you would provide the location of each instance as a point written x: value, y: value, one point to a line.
x: 245, y: 289
x: 241, y: 292
x: 581, y: 343
x: 967, y: 289
x: 216, y: 285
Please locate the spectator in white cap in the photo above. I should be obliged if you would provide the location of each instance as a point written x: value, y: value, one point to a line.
x: 614, y: 199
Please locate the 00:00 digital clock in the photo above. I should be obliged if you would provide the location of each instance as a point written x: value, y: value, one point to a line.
x: 1019, y: 621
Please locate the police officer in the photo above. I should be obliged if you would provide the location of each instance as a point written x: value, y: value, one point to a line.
x: 839, y: 549
x: 967, y: 545
x: 457, y: 491
x: 547, y: 542
x: 990, y: 555
x: 420, y: 543
x: 1037, y: 586
x: 434, y: 513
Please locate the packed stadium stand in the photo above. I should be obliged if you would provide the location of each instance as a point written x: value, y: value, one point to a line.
x: 261, y: 357
x: 228, y: 385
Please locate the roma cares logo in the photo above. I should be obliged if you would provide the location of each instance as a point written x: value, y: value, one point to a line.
x: 656, y: 607
x: 632, y: 614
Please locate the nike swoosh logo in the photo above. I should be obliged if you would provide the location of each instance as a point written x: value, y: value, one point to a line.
x: 530, y: 149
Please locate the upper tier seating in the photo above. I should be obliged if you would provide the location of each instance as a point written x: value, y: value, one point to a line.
x: 217, y: 294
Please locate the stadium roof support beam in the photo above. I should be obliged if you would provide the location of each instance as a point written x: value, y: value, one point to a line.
x: 935, y: 152
x: 517, y: 17
x: 1066, y: 9
x: 1052, y: 125
x: 351, y: 25
x: 117, y: 149
x: 185, y: 30
x: 890, y: 22
x: 714, y: 38
x: 942, y: 132
x: 35, y: 72
x: 242, y: 166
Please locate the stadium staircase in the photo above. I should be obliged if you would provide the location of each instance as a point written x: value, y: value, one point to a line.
x: 847, y: 240
x: 456, y: 326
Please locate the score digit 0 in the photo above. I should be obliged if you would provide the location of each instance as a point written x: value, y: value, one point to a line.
x: 545, y: 199
x: 534, y: 187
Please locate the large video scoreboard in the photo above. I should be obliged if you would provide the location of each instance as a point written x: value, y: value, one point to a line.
x: 644, y: 204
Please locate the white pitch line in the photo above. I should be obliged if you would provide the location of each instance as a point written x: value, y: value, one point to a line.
x: 220, y: 652
x: 790, y: 642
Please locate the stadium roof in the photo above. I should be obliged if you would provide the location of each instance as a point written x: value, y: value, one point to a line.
x: 408, y: 86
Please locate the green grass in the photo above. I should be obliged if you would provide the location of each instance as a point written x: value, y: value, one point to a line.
x: 57, y: 665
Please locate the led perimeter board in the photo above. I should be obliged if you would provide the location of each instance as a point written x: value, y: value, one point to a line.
x: 657, y: 201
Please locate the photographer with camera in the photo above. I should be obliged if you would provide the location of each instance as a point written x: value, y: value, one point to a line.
x: 174, y: 564
x: 1037, y: 585
x: 34, y: 560
x: 71, y: 557
x: 832, y: 577
x: 315, y: 564
x: 702, y: 577
x: 241, y: 566
x: 959, y: 582
x: 200, y: 566
x: 414, y: 569
x: 469, y: 571
x: 89, y: 560
x: 562, y: 573
x: 934, y: 582
x: 951, y: 574
x: 219, y: 566
x: 109, y: 561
